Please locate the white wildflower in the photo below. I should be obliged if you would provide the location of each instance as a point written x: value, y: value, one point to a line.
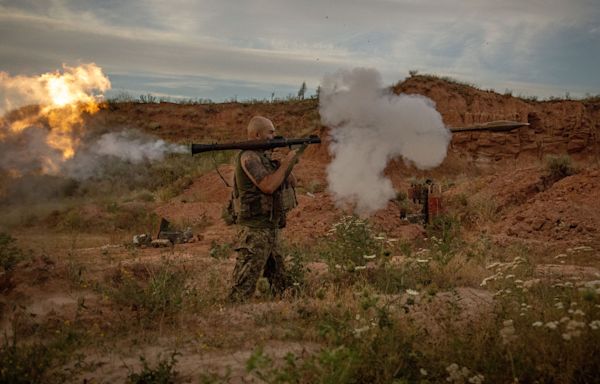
x: 477, y: 379
x: 559, y: 305
x: 423, y: 372
x: 422, y: 261
x: 457, y: 374
x: 508, y: 332
x: 360, y: 267
x: 552, y: 324
x: 359, y: 331
x: 493, y: 265
x: 531, y: 283
x: 412, y: 292
x: 369, y: 257
x: 595, y: 325
x: 537, y: 324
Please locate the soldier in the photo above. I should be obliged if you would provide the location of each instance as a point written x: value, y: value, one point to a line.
x: 265, y: 192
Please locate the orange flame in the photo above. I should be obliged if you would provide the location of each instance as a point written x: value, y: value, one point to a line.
x: 62, y: 98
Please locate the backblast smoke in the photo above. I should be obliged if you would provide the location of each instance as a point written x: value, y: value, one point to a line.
x: 370, y: 125
x: 43, y: 131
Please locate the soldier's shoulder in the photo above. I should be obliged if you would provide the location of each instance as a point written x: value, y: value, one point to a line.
x: 248, y: 155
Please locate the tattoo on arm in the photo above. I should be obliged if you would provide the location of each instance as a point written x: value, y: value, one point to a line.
x: 254, y: 168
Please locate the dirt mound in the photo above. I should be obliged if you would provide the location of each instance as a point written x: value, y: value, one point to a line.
x: 555, y: 126
x: 568, y: 210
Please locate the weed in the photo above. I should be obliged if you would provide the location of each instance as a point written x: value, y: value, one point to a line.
x: 444, y: 236
x: 36, y: 362
x: 163, y: 373
x: 220, y: 251
x: 10, y: 254
x: 153, y: 291
x: 352, y: 242
x: 24, y: 363
x: 559, y: 167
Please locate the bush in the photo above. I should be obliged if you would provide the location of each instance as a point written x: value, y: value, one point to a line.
x: 10, y: 254
x: 559, y: 167
x: 163, y: 373
x: 36, y: 362
x: 152, y: 291
x: 351, y: 243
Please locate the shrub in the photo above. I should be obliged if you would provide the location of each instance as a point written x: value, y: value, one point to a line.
x: 559, y: 167
x: 24, y: 363
x: 10, y: 254
x: 351, y: 243
x: 153, y: 291
x: 163, y: 373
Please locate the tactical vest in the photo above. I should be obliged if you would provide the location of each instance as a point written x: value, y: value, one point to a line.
x: 255, y: 208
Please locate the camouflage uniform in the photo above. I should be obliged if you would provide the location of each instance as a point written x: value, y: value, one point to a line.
x: 258, y: 254
x: 258, y: 246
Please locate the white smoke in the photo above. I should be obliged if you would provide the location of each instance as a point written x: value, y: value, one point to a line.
x: 98, y: 154
x: 134, y: 147
x: 370, y: 126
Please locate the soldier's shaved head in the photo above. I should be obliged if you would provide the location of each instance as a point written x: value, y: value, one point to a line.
x: 259, y: 127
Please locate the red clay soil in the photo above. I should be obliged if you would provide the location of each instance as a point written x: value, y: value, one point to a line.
x: 566, y: 210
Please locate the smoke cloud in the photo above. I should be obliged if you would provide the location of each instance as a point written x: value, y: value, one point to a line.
x: 28, y: 153
x: 135, y: 147
x: 370, y: 125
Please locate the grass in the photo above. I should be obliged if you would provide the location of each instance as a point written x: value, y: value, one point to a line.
x: 559, y: 167
x: 121, y: 199
x: 150, y: 291
x: 455, y: 306
x: 10, y: 254
x: 40, y: 354
x: 163, y: 373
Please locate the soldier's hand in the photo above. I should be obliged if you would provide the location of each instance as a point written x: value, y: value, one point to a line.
x: 301, y: 149
x: 291, y: 156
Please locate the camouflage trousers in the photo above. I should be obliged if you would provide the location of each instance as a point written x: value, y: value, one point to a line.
x: 258, y: 254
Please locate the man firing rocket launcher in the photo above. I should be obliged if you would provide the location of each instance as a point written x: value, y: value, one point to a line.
x: 427, y: 194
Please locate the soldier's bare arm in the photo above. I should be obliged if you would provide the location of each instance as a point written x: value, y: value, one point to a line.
x: 260, y: 176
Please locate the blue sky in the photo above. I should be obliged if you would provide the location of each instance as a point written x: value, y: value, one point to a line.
x: 249, y: 49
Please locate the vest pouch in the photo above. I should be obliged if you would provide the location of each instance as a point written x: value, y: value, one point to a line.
x: 266, y: 205
x: 231, y: 212
x: 288, y: 198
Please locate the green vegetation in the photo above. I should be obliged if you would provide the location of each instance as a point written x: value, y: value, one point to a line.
x: 151, y: 291
x: 163, y: 373
x: 559, y: 167
x: 352, y: 242
x: 10, y: 254
x: 30, y: 361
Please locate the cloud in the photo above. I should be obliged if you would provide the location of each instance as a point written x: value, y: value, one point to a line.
x: 282, y: 43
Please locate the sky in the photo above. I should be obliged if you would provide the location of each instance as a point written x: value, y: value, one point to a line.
x: 220, y: 50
